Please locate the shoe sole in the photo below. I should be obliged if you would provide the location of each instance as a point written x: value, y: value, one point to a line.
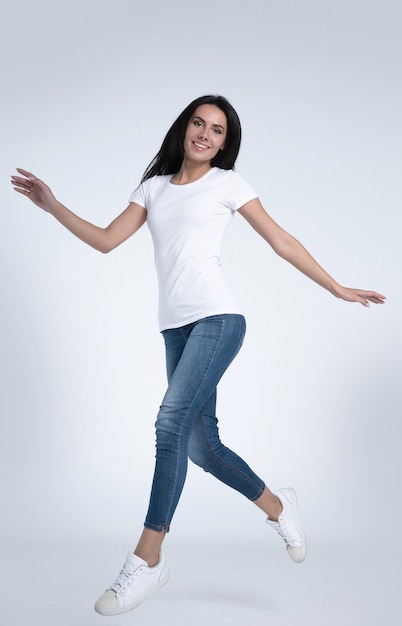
x: 130, y: 607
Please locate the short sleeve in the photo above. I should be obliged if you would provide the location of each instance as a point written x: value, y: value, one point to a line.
x: 237, y: 191
x: 139, y: 196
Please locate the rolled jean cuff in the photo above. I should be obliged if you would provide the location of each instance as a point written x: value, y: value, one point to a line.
x: 159, y: 528
x: 259, y: 494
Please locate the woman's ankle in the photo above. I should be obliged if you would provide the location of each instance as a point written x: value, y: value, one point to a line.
x: 270, y: 504
x: 149, y: 558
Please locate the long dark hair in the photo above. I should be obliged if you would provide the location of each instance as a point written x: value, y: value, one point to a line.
x: 170, y: 156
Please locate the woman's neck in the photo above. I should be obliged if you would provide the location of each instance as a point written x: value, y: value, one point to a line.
x: 190, y: 172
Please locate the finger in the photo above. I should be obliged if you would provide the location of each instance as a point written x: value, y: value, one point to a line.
x: 28, y: 183
x: 25, y: 192
x: 375, y: 297
x: 26, y: 173
x: 376, y: 300
x: 21, y: 182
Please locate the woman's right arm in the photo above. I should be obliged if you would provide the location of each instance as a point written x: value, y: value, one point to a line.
x: 102, y: 239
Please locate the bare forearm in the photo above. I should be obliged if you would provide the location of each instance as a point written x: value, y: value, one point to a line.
x: 295, y: 253
x: 94, y: 236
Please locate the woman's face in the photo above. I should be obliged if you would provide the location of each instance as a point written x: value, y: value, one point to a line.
x: 205, y: 134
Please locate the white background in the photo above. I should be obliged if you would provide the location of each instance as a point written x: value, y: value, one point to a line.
x: 88, y: 90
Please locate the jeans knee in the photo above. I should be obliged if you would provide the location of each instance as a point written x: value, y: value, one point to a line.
x: 172, y: 431
x: 167, y: 433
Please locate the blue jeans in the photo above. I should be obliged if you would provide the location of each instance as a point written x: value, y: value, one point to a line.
x: 197, y: 356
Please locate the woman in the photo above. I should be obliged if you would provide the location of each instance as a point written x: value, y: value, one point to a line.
x: 188, y: 195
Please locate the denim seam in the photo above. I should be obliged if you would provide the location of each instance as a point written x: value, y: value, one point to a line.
x: 234, y: 469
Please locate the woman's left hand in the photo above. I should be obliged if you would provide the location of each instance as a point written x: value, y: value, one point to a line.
x: 360, y: 295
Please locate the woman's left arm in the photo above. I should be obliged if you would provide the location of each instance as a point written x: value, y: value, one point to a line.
x: 290, y: 249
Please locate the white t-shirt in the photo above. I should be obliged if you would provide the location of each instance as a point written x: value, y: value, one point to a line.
x: 187, y: 224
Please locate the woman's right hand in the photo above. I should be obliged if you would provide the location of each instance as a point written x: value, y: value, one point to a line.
x: 34, y: 188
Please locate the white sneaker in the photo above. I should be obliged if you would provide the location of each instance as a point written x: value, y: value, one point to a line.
x: 134, y: 584
x: 288, y: 525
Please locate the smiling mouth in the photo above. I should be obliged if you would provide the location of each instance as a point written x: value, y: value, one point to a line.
x: 200, y: 146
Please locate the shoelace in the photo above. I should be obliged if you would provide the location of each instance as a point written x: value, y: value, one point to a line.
x: 291, y: 539
x: 125, y: 577
x: 284, y: 533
